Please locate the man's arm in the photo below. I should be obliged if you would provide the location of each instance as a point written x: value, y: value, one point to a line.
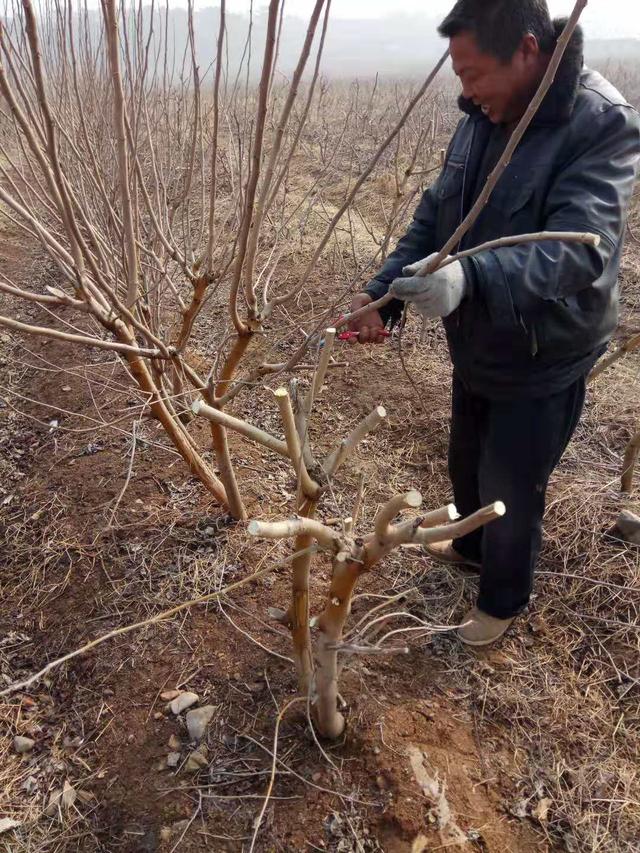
x: 591, y: 193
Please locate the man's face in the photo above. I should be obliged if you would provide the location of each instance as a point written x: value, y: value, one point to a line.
x: 501, y: 89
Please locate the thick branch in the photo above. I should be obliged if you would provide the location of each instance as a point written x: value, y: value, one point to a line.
x: 325, y: 536
x: 79, y: 339
x: 310, y: 488
x: 337, y: 456
x: 243, y: 427
x: 410, y: 500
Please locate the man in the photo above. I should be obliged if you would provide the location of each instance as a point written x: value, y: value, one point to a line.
x: 524, y: 324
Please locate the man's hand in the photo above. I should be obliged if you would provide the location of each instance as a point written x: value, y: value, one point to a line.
x: 435, y: 295
x: 370, y: 326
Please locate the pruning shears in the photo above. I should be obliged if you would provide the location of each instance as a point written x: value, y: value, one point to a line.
x: 348, y: 335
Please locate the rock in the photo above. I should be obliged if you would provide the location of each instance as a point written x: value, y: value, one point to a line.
x: 23, y: 744
x: 198, y: 720
x: 7, y: 823
x: 519, y: 808
x: 628, y: 527
x: 183, y: 701
x: 174, y: 741
x: 195, y: 762
x: 541, y: 810
x: 173, y: 759
x: 168, y: 695
x: 168, y: 832
x: 30, y: 784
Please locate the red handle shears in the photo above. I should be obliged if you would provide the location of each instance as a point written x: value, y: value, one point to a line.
x: 350, y: 336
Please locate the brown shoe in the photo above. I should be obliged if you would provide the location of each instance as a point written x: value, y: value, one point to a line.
x: 480, y: 629
x: 446, y: 553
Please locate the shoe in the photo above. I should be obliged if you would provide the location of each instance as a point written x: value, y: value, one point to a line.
x: 482, y: 629
x: 446, y: 553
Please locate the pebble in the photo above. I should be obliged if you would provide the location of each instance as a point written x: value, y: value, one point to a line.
x: 23, y: 744
x: 174, y: 742
x: 198, y: 720
x: 158, y: 715
x: 173, y: 759
x: 30, y: 784
x: 168, y: 695
x: 196, y: 761
x: 183, y: 701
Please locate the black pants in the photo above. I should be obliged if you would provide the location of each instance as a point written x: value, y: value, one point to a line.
x: 506, y: 450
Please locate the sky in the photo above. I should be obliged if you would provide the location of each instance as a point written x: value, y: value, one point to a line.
x: 602, y: 18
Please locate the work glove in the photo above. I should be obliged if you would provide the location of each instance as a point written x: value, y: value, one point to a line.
x: 435, y: 295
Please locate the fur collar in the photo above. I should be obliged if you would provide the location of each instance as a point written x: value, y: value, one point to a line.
x: 559, y: 101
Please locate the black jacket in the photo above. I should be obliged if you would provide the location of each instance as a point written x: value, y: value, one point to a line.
x: 537, y: 315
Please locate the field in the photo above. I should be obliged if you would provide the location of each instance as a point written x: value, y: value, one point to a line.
x: 529, y: 746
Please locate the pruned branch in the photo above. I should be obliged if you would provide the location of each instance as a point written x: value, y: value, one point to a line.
x: 499, y: 243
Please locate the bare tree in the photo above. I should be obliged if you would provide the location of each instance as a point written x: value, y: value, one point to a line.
x: 179, y: 202
x: 351, y: 555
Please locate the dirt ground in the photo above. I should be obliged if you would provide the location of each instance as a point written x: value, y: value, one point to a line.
x: 531, y: 745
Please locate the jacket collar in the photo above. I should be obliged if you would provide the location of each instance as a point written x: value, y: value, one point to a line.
x: 559, y: 101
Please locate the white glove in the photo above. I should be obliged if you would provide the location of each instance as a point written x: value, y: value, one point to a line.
x: 435, y: 295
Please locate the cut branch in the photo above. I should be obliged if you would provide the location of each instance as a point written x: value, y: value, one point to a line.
x: 335, y: 459
x: 242, y: 427
x: 310, y: 488
x: 501, y: 242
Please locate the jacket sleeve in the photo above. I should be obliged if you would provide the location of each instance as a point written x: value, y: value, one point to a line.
x: 590, y: 194
x: 417, y: 243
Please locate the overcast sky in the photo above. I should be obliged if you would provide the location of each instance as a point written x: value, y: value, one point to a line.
x: 602, y: 18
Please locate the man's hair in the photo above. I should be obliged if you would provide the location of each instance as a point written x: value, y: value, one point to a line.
x: 500, y: 25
